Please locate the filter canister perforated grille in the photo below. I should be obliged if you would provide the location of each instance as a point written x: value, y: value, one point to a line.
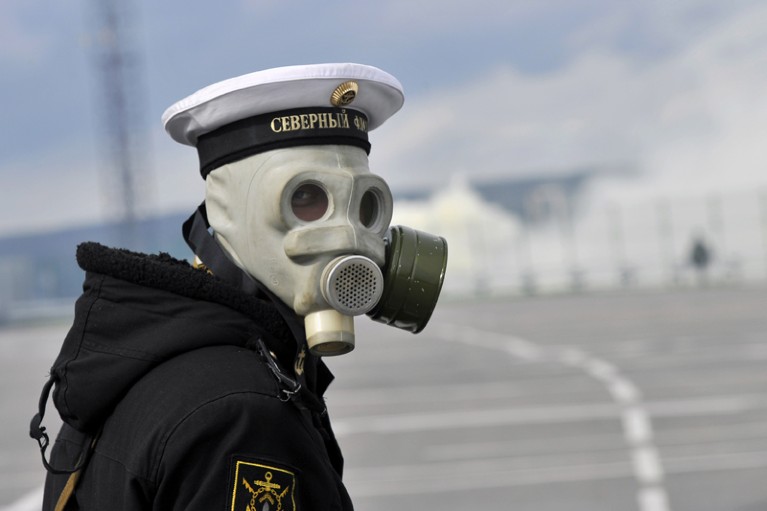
x: 352, y: 285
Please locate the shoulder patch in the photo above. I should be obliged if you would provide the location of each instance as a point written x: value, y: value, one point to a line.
x: 261, y: 486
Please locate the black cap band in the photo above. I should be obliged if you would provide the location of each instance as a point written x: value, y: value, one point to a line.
x: 287, y: 128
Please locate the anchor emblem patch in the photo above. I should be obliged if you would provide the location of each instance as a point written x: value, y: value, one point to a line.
x: 259, y: 487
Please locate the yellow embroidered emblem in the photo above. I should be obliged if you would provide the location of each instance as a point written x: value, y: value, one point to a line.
x: 259, y: 487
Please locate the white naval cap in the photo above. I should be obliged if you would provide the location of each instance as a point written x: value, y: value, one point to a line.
x: 379, y: 96
x: 284, y: 106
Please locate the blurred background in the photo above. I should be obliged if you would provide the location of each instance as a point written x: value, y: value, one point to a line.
x: 585, y: 155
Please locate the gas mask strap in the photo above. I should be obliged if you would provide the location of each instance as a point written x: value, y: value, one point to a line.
x: 204, y: 245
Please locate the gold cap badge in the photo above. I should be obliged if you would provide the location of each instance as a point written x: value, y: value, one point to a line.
x: 344, y: 94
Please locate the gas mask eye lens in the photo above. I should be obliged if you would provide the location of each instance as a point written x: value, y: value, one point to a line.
x: 309, y: 202
x: 369, y: 208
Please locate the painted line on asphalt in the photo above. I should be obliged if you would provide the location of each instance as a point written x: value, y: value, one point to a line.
x: 636, y: 424
x: 646, y: 462
x: 510, y: 472
x: 32, y: 501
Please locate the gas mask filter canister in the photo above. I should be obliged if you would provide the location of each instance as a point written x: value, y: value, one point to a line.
x: 404, y: 295
x: 413, y: 276
x: 351, y: 285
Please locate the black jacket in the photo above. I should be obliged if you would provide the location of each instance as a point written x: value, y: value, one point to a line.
x: 177, y: 377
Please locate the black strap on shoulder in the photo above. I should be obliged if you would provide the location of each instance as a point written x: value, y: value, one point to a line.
x: 37, y: 432
x: 204, y: 245
x: 289, y: 387
x: 196, y: 231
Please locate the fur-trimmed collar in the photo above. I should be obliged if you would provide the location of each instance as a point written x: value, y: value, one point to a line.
x: 162, y: 271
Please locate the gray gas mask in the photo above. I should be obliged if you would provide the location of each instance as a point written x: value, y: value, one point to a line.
x: 311, y: 223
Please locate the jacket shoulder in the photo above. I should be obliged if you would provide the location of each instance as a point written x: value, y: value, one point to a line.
x: 187, y: 428
x: 147, y: 415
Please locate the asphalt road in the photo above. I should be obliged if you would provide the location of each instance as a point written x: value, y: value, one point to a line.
x: 647, y: 401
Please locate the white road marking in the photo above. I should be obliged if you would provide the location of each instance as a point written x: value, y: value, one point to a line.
x: 636, y: 426
x: 487, y: 417
x: 509, y: 472
x: 690, y: 439
x: 647, y: 466
x: 652, y: 498
x: 624, y: 391
x: 32, y: 501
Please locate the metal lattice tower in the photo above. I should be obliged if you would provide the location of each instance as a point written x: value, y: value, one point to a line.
x: 121, y: 107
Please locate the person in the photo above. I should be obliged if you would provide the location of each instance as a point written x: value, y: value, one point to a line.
x: 200, y: 386
x: 700, y: 255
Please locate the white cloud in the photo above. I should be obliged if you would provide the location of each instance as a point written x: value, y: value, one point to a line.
x: 444, y: 16
x: 508, y: 123
x: 693, y: 118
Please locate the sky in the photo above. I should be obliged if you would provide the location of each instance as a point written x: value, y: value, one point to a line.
x: 494, y: 88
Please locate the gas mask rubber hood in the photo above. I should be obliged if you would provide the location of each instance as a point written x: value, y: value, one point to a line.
x: 311, y: 224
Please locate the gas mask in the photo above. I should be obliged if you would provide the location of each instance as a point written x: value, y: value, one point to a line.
x: 311, y: 223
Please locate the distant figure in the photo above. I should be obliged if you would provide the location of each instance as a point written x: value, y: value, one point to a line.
x: 700, y: 257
